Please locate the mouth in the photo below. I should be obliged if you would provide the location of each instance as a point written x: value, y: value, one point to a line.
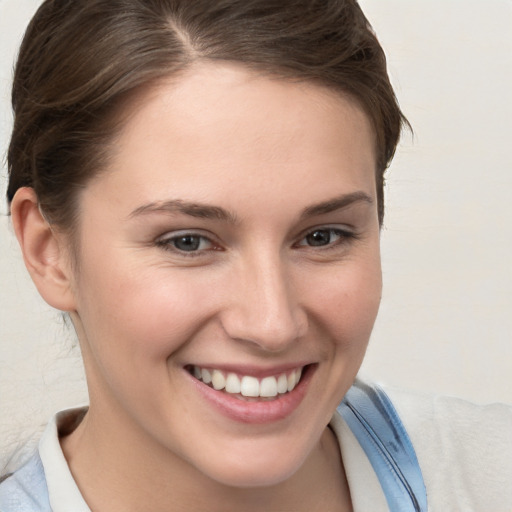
x: 249, y: 388
x: 253, y: 396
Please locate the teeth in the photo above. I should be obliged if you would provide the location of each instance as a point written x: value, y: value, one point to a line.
x: 233, y: 384
x: 249, y: 386
x: 291, y: 381
x: 206, y: 376
x: 282, y: 384
x: 218, y: 380
x: 268, y: 387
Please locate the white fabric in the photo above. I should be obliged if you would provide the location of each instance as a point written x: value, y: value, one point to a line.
x: 464, y: 450
x: 62, y: 489
x: 365, y: 490
x: 465, y: 453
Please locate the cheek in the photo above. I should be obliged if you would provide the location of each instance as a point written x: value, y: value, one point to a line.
x: 143, y: 314
x: 346, y: 302
x: 133, y: 328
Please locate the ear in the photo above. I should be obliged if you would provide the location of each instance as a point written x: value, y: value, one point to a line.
x: 44, y: 251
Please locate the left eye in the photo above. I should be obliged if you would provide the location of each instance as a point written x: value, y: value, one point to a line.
x: 323, y: 237
x: 187, y: 242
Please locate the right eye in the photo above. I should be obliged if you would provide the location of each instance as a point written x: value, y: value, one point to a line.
x: 187, y: 243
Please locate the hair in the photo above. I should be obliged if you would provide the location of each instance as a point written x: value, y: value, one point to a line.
x: 81, y: 61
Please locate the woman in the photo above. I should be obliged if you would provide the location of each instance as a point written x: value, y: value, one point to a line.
x: 199, y: 185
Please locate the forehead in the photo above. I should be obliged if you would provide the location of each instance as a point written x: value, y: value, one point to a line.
x: 217, y: 124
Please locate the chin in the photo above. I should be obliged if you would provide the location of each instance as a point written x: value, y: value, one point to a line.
x: 251, y: 477
x: 262, y: 468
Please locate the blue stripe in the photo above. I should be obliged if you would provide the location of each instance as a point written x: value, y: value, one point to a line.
x: 375, y: 423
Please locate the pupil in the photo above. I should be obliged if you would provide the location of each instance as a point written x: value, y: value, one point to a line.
x: 187, y: 243
x: 319, y: 238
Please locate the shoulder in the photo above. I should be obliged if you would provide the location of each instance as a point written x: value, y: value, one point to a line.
x: 25, y: 490
x: 464, y: 450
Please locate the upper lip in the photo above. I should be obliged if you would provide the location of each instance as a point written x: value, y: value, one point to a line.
x: 253, y: 370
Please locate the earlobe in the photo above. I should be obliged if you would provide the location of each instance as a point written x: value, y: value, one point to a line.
x: 43, y: 251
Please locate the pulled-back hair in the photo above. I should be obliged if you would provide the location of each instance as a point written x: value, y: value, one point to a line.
x: 81, y: 60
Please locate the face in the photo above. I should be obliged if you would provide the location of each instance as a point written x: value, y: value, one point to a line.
x: 234, y: 237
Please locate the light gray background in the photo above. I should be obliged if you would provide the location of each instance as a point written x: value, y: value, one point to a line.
x: 445, y: 320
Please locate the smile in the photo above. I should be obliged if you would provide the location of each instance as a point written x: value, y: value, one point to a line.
x: 248, y: 386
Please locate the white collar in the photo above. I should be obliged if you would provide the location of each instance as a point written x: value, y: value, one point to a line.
x: 62, y: 489
x: 365, y: 490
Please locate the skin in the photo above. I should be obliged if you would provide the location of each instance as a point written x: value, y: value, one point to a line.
x: 255, y: 294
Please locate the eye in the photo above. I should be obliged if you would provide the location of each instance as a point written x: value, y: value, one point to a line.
x: 324, y: 237
x: 186, y: 243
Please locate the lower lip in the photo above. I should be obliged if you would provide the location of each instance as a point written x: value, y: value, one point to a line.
x: 256, y: 412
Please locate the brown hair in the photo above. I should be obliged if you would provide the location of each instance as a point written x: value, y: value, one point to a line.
x: 81, y: 59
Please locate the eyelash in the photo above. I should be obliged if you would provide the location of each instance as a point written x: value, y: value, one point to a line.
x: 168, y: 243
x: 344, y: 237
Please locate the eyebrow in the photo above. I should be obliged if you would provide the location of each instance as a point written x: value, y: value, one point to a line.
x: 337, y: 203
x: 198, y: 210
x: 206, y: 211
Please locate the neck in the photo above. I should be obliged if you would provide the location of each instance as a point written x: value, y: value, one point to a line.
x: 120, y: 470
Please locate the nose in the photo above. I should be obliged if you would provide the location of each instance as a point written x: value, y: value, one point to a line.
x: 264, y: 309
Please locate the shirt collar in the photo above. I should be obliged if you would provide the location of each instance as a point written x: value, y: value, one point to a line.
x: 365, y: 490
x: 62, y: 489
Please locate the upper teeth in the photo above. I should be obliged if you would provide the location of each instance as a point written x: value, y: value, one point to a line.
x: 248, y: 385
